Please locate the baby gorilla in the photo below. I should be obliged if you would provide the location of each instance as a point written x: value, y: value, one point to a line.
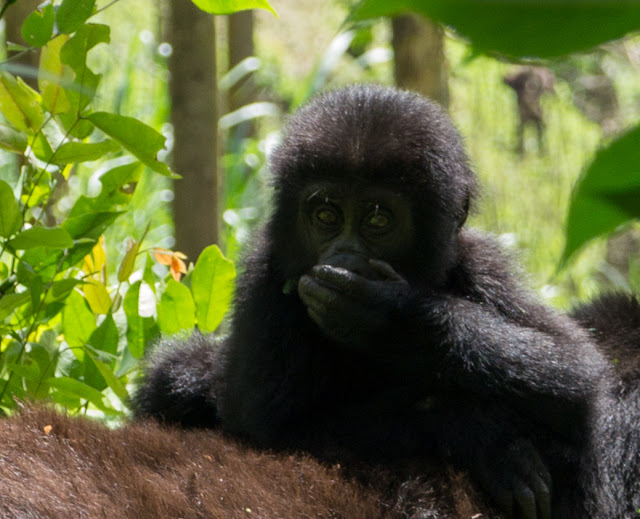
x: 371, y: 327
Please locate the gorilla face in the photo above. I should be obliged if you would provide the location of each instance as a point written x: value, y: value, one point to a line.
x: 347, y: 226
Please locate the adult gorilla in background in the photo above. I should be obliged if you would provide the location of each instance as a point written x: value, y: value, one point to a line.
x: 371, y: 327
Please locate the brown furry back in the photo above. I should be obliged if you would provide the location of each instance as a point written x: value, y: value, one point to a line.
x: 53, y: 466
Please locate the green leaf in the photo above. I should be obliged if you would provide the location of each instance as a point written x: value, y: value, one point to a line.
x: 54, y: 237
x: 38, y: 27
x: 54, y: 77
x: 524, y: 28
x: 97, y: 296
x: 11, y: 302
x: 140, y: 330
x: 61, y: 289
x: 232, y: 6
x: 75, y: 152
x: 79, y: 389
x: 212, y: 287
x: 78, y: 323
x: 19, y: 103
x: 74, y: 54
x: 88, y: 225
x: 111, y: 380
x: 608, y: 195
x: 12, y: 139
x: 10, y: 216
x: 176, y: 311
x: 73, y: 13
x: 137, y: 138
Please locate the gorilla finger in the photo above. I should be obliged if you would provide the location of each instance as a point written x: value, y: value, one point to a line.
x: 525, y: 500
x: 543, y: 496
x: 342, y: 279
x: 384, y: 269
x: 310, y: 291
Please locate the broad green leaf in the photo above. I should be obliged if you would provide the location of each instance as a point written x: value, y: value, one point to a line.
x: 54, y: 76
x: 74, y: 54
x: 176, y: 311
x: 78, y: 323
x: 608, y: 194
x: 212, y: 287
x: 81, y: 224
x: 10, y: 216
x: 38, y: 27
x: 140, y: 330
x: 35, y: 289
x: 73, y: 13
x: 111, y: 380
x: 140, y: 140
x: 12, y: 139
x: 11, y: 302
x: 61, y: 289
x: 54, y: 237
x: 232, y: 6
x: 79, y: 389
x: 523, y: 28
x: 97, y: 296
x: 83, y: 151
x: 126, y: 267
x: 19, y: 103
x: 45, y: 363
x: 102, y: 345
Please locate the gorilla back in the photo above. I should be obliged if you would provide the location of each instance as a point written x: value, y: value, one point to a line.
x: 371, y: 326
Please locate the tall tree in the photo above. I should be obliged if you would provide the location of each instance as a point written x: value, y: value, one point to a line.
x: 193, y: 91
x: 418, y: 45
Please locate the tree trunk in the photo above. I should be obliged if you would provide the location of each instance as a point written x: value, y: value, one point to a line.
x: 194, y: 116
x: 14, y: 16
x: 418, y: 45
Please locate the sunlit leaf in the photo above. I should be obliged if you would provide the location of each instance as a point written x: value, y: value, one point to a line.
x: 140, y: 329
x: 78, y: 323
x: 97, y: 296
x: 10, y: 216
x: 83, y: 151
x: 19, y: 103
x: 140, y: 140
x: 52, y: 75
x: 73, y: 13
x: 79, y: 389
x: 212, y: 287
x: 126, y: 267
x: 524, y: 28
x: 176, y: 311
x: 608, y: 194
x: 11, y: 302
x: 54, y: 237
x: 38, y: 27
x: 232, y: 6
x: 80, y: 224
x: 111, y: 380
x: 61, y: 289
x: 12, y: 139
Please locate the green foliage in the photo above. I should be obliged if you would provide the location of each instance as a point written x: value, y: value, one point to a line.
x: 232, y: 6
x: 608, y: 195
x: 70, y: 332
x: 528, y: 28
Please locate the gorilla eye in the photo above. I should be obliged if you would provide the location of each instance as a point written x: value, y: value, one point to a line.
x: 378, y: 219
x: 327, y: 216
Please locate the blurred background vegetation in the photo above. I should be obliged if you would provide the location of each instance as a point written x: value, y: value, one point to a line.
x: 594, y: 96
x: 179, y: 70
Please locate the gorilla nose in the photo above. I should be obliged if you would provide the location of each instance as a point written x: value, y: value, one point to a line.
x: 355, y: 263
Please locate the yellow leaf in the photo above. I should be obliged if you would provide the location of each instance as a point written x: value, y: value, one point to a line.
x: 97, y: 296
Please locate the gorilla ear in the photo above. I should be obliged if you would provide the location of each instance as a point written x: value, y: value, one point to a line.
x: 465, y: 209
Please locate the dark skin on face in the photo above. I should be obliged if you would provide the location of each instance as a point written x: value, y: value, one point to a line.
x: 354, y: 234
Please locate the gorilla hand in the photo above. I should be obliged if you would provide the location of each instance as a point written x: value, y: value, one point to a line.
x: 348, y: 307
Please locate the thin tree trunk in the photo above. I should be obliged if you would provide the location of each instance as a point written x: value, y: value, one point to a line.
x: 420, y: 65
x: 14, y: 16
x: 194, y: 117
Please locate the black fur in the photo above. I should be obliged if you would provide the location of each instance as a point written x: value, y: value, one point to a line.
x: 471, y: 370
